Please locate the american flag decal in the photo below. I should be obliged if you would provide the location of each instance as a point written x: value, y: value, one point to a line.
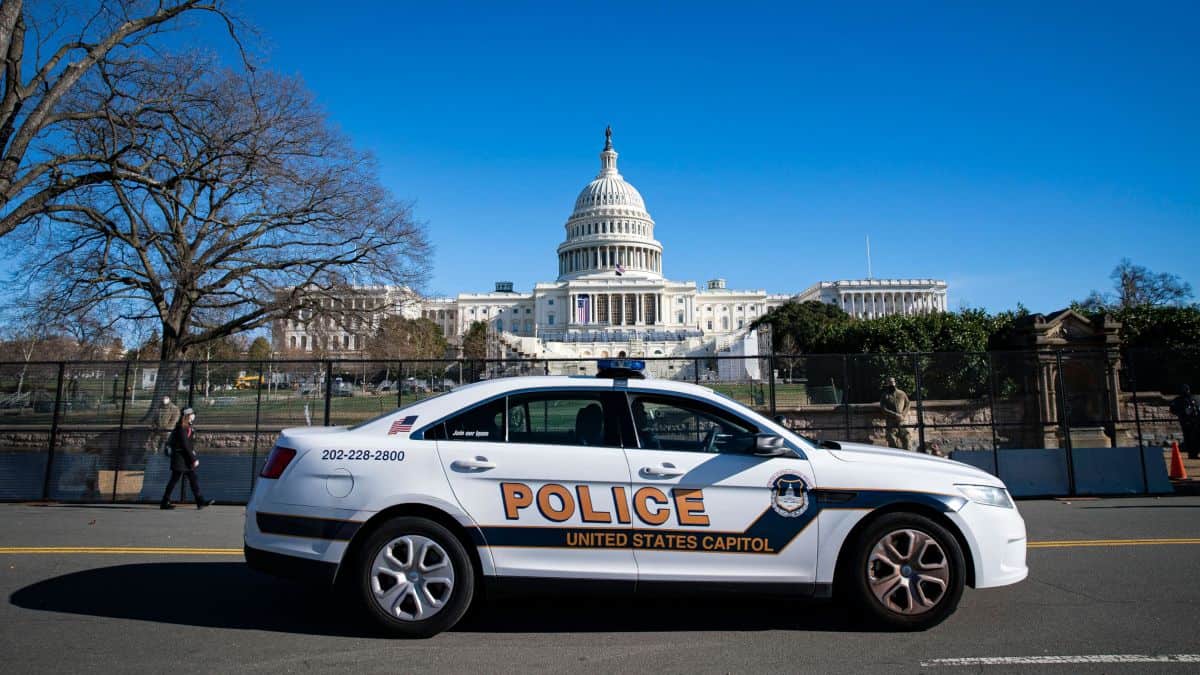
x: 402, y: 425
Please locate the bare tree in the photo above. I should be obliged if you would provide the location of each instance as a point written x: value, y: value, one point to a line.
x: 234, y: 206
x: 50, y: 51
x: 1137, y: 286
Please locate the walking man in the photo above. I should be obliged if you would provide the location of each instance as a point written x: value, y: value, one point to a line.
x: 894, y: 404
x: 183, y: 460
x: 1187, y: 409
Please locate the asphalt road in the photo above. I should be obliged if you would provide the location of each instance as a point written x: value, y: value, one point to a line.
x: 205, y: 611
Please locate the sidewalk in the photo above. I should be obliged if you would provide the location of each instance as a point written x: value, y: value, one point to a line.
x: 1190, y: 486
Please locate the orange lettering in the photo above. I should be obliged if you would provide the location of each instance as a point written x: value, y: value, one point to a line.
x: 516, y: 497
x: 546, y: 506
x: 689, y: 507
x: 621, y: 502
x: 648, y: 494
x: 586, y: 511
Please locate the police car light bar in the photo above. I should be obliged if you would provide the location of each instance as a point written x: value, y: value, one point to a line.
x: 621, y: 368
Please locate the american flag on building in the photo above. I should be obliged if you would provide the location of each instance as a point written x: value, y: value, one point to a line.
x: 584, y: 305
x: 402, y: 425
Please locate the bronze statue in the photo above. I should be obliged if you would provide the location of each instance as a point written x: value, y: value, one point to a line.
x: 894, y: 404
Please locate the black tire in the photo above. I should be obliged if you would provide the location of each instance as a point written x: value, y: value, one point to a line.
x: 857, y: 574
x: 459, y: 596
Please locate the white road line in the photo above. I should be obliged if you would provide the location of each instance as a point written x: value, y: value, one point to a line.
x: 1058, y: 660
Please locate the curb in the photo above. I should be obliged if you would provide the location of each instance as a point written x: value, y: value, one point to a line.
x: 1189, y: 487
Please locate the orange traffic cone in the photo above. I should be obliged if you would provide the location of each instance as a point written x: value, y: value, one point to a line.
x: 1177, y: 472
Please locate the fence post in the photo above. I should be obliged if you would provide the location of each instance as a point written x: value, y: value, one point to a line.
x: 400, y: 384
x: 120, y: 449
x: 846, y: 393
x: 257, y: 417
x: 1064, y: 421
x: 58, y: 389
x: 920, y: 403
x: 696, y: 370
x: 992, y: 397
x: 328, y: 390
x: 191, y: 384
x: 771, y: 371
x: 191, y: 389
x: 1137, y: 420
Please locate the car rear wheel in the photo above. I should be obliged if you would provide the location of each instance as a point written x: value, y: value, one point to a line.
x: 907, y: 572
x: 415, y: 578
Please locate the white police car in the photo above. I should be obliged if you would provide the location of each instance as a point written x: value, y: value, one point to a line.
x: 628, y: 482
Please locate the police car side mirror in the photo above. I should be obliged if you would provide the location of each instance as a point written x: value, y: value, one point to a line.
x: 770, y: 445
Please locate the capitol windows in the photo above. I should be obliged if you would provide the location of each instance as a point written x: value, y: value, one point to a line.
x: 292, y: 342
x: 550, y: 319
x: 679, y: 318
x: 741, y: 323
x: 724, y: 323
x: 499, y: 324
x: 710, y: 324
x: 550, y: 302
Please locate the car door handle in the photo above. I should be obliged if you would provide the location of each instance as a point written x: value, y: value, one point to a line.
x: 478, y: 464
x: 666, y: 470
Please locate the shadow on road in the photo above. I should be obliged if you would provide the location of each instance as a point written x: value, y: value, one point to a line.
x: 230, y: 595
x: 90, y: 507
x: 1145, y: 506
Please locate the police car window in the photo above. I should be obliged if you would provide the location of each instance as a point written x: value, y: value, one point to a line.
x: 481, y: 423
x: 561, y: 418
x: 669, y: 423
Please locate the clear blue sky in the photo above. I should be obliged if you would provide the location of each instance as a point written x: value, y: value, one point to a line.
x: 1017, y: 151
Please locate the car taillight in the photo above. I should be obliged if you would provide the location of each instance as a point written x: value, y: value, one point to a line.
x: 277, y: 461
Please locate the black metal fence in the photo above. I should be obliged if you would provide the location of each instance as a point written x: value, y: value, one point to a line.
x: 93, y: 431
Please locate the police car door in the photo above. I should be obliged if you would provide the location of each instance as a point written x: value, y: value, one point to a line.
x: 544, y: 475
x: 705, y: 507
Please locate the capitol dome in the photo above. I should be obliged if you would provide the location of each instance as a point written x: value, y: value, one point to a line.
x: 609, y: 189
x: 609, y: 232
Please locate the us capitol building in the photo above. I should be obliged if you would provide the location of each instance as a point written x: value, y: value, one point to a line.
x: 611, y: 298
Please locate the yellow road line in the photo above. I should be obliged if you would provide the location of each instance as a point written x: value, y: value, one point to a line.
x: 1085, y: 543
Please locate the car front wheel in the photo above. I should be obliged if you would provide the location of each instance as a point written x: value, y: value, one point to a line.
x: 907, y: 572
x: 415, y: 577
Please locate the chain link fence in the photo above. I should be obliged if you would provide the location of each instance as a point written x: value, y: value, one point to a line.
x: 94, y: 431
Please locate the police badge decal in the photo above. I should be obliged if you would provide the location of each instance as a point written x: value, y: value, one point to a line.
x: 789, y: 494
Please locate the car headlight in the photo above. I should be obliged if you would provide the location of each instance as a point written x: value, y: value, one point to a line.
x: 986, y: 494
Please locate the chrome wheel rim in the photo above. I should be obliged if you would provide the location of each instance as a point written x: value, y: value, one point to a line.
x: 412, y: 578
x: 908, y: 572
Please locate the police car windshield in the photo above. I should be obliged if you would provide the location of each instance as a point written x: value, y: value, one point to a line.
x: 393, y: 411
